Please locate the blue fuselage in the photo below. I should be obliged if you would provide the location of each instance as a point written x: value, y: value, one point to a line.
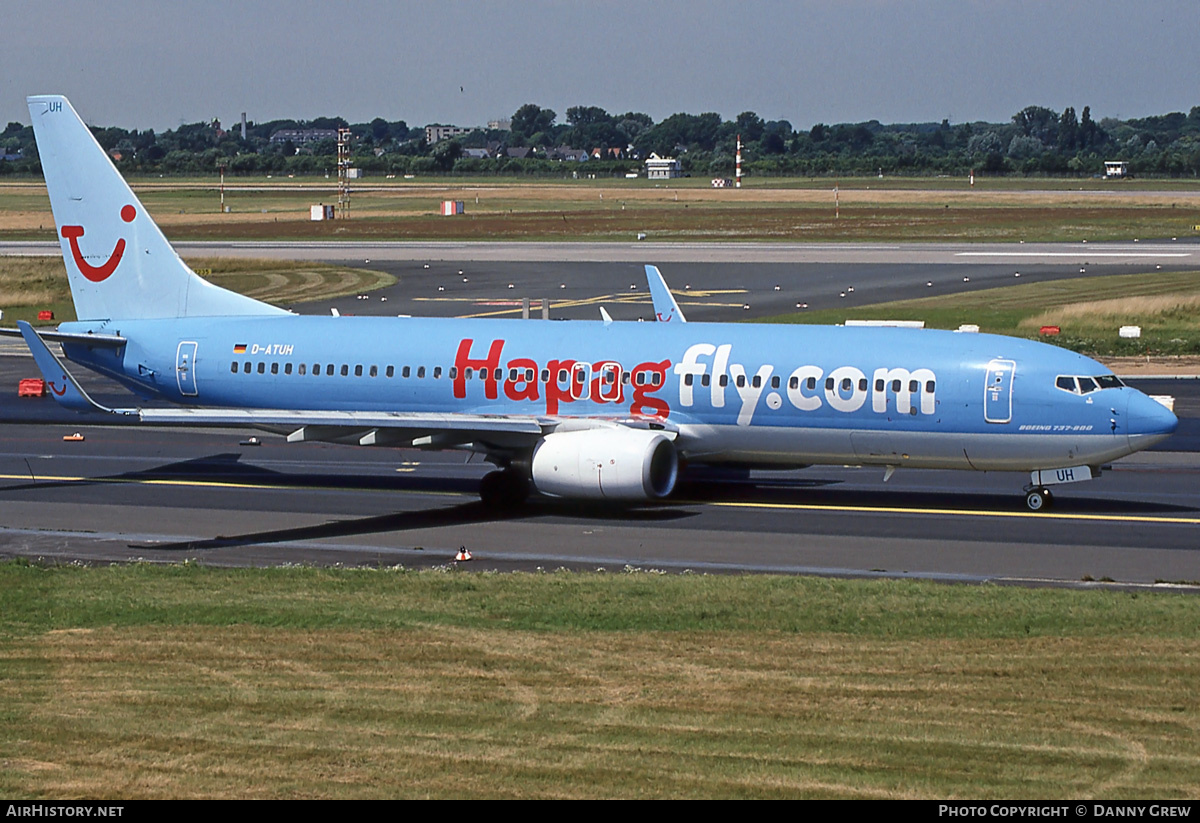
x: 736, y: 392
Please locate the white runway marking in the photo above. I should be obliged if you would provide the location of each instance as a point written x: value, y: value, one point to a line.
x: 1072, y: 254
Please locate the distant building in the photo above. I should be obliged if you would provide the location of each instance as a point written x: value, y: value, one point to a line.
x: 1115, y: 168
x: 566, y: 153
x: 436, y: 133
x: 500, y: 125
x: 301, y: 136
x: 662, y: 168
x: 478, y: 154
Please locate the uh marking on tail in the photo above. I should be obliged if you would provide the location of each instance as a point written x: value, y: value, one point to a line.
x: 98, y: 274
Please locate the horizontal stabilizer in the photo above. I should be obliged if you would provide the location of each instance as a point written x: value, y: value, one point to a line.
x: 62, y: 384
x: 108, y: 341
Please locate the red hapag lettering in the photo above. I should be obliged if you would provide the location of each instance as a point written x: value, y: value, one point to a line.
x: 528, y: 389
x: 555, y: 392
x: 643, y: 405
x: 463, y: 361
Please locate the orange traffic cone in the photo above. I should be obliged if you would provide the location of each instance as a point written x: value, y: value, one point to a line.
x: 463, y: 554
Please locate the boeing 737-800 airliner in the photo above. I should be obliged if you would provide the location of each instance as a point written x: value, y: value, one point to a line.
x: 574, y: 409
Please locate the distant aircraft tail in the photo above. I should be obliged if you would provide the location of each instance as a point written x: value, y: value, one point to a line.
x: 119, y: 264
x: 666, y: 310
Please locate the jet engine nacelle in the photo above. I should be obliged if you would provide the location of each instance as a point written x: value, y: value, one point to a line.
x: 606, y: 463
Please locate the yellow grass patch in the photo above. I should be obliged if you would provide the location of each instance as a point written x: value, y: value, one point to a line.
x: 1179, y: 309
x: 236, y: 711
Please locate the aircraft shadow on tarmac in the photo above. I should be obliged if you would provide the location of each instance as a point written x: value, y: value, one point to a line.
x: 229, y: 468
x: 807, y: 491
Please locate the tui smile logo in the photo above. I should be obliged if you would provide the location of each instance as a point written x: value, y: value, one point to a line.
x: 98, y: 274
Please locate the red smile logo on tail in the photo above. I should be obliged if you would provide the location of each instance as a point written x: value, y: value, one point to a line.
x: 97, y: 274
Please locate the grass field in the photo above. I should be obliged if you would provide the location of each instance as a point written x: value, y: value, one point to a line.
x: 31, y: 284
x: 687, y: 209
x: 1089, y: 312
x: 140, y: 681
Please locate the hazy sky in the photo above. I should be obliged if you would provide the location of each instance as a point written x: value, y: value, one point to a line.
x: 153, y: 64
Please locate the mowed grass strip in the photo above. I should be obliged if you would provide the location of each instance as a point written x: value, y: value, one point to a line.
x: 1089, y: 312
x: 32, y: 284
x: 146, y: 681
x: 683, y: 209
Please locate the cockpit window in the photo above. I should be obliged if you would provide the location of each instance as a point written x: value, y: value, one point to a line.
x: 1086, y: 385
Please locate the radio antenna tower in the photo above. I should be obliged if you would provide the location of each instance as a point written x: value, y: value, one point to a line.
x: 343, y: 161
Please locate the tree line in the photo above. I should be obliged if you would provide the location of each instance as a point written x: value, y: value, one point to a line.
x: 1036, y: 141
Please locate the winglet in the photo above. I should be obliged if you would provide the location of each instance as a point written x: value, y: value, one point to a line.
x: 665, y: 307
x: 63, y: 386
x: 605, y: 316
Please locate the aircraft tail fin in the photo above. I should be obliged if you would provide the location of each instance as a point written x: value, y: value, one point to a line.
x: 119, y: 264
x: 665, y: 307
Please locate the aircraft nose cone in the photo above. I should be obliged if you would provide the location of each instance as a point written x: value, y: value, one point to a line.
x: 1148, y: 421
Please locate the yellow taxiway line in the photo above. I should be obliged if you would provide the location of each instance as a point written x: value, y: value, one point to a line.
x: 1040, y: 515
x: 812, y: 507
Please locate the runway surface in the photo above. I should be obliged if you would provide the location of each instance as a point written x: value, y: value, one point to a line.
x: 167, y: 495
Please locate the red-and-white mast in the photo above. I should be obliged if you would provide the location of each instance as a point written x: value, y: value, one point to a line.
x: 739, y: 162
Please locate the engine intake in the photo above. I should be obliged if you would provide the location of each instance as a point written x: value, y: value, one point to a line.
x: 607, y: 464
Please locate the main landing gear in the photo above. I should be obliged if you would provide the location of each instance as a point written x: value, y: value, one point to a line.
x: 504, y: 489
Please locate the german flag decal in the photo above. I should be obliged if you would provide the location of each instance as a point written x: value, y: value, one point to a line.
x: 239, y: 348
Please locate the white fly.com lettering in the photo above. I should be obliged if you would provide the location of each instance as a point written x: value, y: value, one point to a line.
x: 844, y: 389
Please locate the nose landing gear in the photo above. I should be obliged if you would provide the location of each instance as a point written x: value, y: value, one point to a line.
x: 1038, y: 498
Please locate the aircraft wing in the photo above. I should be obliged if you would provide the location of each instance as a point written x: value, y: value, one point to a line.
x: 666, y: 310
x: 367, y: 428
